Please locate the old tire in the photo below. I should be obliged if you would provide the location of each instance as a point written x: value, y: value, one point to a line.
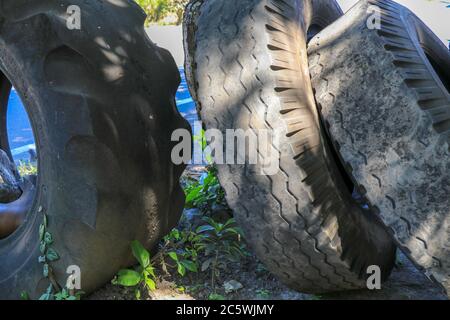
x: 388, y: 109
x: 247, y: 68
x: 101, y: 103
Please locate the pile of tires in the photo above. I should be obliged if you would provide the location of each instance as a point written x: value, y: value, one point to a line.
x: 357, y: 106
x: 362, y: 120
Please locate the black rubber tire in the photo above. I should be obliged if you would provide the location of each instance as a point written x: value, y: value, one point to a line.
x: 247, y: 69
x: 389, y: 112
x: 101, y: 101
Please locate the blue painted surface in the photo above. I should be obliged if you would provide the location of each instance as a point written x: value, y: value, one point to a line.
x: 185, y: 104
x: 20, y: 135
x: 21, y: 138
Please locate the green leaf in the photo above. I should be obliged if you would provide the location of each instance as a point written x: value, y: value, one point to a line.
x: 204, y: 228
x: 231, y: 233
x: 45, y: 221
x: 150, y: 271
x: 48, y: 295
x: 63, y: 295
x: 229, y: 222
x: 175, y: 234
x: 42, y: 247
x: 140, y: 253
x: 208, y: 180
x: 215, y: 296
x: 173, y: 255
x: 181, y: 269
x: 24, y: 296
x: 193, y: 194
x: 52, y: 255
x: 214, y: 224
x: 137, y: 294
x: 128, y: 278
x: 41, y: 232
x: 206, y: 264
x: 239, y: 231
x: 150, y: 284
x: 191, y: 266
x: 50, y: 289
x: 45, y: 297
x: 45, y: 270
x: 48, y: 238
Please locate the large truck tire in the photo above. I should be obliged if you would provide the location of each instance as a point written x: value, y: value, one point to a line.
x: 247, y: 68
x: 101, y: 101
x: 384, y: 94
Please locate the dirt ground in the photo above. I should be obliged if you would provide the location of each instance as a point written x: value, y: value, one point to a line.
x: 251, y: 281
x: 257, y: 284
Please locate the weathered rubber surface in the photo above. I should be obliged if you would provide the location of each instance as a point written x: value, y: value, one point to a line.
x: 247, y: 68
x: 101, y: 102
x: 389, y: 113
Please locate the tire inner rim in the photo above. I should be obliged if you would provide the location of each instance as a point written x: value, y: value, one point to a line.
x: 13, y: 213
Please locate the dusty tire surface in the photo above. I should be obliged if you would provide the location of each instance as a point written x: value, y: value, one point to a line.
x: 385, y: 96
x: 247, y: 68
x: 101, y: 101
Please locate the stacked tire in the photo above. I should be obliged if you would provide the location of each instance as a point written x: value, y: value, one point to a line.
x: 393, y: 127
x: 248, y: 69
x: 362, y: 148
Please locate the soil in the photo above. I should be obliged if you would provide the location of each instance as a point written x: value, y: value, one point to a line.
x: 253, y: 282
x: 405, y: 283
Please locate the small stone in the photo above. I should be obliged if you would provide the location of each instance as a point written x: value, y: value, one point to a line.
x: 232, y: 286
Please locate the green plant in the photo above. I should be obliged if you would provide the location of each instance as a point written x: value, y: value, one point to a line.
x: 260, y: 268
x: 206, y: 192
x: 182, y: 264
x: 263, y: 293
x: 214, y: 244
x: 221, y: 244
x: 195, y: 287
x: 201, y: 140
x: 181, y: 248
x: 143, y: 277
x: 65, y: 294
x: 156, y: 10
x: 24, y: 296
x: 27, y: 168
x: 177, y: 7
x: 49, y: 255
x: 215, y: 296
x: 48, y: 294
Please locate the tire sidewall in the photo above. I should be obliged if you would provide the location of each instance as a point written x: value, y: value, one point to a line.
x: 20, y: 251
